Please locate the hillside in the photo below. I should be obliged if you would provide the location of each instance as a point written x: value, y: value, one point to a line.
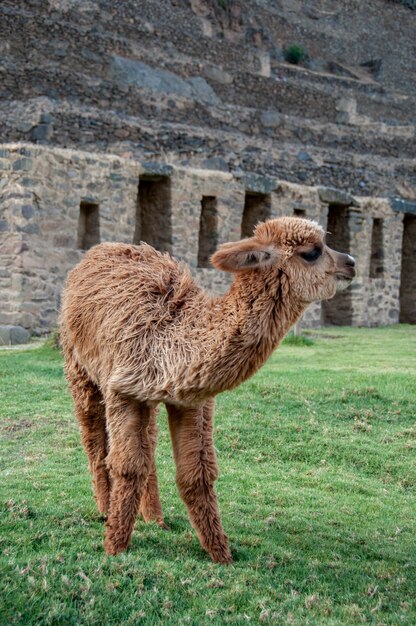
x: 205, y: 82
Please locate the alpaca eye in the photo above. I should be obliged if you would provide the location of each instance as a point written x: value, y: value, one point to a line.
x: 311, y: 256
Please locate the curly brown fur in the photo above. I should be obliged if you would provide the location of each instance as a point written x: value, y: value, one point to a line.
x: 136, y: 331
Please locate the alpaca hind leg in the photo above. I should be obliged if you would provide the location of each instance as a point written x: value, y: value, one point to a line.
x: 150, y: 505
x: 129, y: 462
x: 90, y: 411
x: 196, y: 465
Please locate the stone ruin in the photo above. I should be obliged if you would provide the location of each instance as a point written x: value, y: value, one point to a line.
x: 205, y: 86
x: 57, y: 203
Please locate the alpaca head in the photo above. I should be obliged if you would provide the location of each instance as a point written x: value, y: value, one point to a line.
x: 296, y: 247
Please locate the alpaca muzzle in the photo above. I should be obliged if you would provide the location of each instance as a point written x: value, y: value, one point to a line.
x: 346, y: 267
x: 345, y: 271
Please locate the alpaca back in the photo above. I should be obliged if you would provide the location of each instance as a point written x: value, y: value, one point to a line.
x: 123, y: 310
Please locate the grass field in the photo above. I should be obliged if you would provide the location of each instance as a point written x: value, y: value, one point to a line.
x: 316, y: 489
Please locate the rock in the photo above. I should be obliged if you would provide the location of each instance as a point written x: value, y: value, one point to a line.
x: 41, y: 132
x: 131, y: 72
x: 271, y: 119
x: 343, y: 118
x: 122, y: 133
x: 152, y: 168
x: 202, y: 91
x: 29, y: 229
x: 23, y: 126
x: 23, y: 164
x: 331, y: 195
x: 259, y: 184
x: 217, y: 75
x: 27, y: 211
x: 127, y: 72
x: 46, y: 118
x: 215, y: 163
x: 303, y: 156
x: 405, y: 206
x: 12, y: 335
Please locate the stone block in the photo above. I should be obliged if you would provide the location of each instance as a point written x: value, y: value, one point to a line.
x: 46, y: 118
x: 216, y: 163
x: 201, y: 90
x: 24, y: 164
x: 331, y: 195
x: 271, y: 119
x: 17, y: 282
x: 404, y: 206
x: 42, y: 132
x: 29, y: 229
x: 303, y: 156
x: 27, y: 211
x: 150, y: 168
x: 12, y: 335
x: 218, y: 75
x: 27, y: 320
x: 258, y: 184
x: 126, y: 72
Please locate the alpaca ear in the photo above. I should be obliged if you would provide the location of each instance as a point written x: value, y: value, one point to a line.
x: 243, y: 255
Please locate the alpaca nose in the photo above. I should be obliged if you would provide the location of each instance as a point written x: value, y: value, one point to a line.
x: 350, y: 261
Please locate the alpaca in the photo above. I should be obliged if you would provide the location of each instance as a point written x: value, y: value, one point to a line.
x: 137, y: 330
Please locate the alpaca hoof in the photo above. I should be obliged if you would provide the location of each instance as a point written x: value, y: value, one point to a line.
x: 221, y: 556
x: 112, y: 549
x: 160, y: 522
x: 115, y: 547
x: 221, y: 559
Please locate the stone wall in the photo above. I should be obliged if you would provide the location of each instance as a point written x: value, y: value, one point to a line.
x: 40, y: 196
x: 55, y: 203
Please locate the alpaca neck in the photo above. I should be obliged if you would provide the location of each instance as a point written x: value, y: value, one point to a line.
x: 256, y: 313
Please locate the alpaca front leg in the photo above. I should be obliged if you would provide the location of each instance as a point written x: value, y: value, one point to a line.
x: 90, y: 411
x: 196, y: 465
x: 150, y: 505
x: 129, y: 462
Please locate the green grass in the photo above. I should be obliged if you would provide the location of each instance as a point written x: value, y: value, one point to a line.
x: 317, y: 493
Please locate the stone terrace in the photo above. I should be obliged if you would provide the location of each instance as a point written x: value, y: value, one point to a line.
x: 204, y: 84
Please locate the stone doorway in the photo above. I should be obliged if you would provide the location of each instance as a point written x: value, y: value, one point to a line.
x: 299, y: 213
x: 154, y: 213
x: 377, y: 249
x: 257, y: 208
x: 208, y: 230
x: 88, y: 225
x: 408, y: 273
x: 338, y: 311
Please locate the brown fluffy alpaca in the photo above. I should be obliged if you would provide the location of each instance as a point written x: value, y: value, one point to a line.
x: 137, y: 331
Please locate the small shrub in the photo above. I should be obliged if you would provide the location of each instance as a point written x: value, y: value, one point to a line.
x: 294, y: 54
x: 411, y: 4
x: 298, y: 340
x: 54, y: 339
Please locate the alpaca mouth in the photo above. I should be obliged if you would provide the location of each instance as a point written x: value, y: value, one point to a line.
x: 343, y: 281
x: 347, y: 277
